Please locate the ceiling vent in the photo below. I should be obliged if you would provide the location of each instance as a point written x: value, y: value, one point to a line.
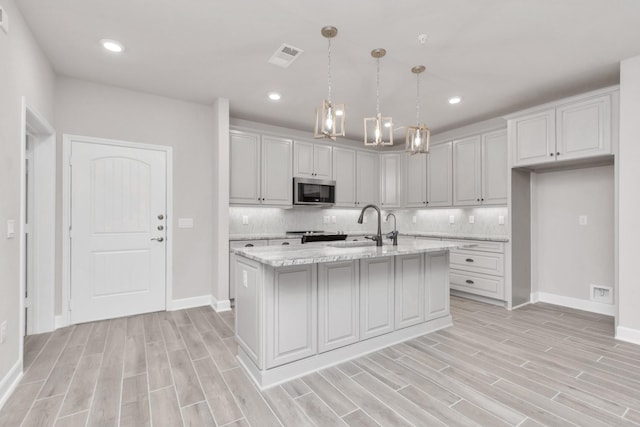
x: 285, y: 55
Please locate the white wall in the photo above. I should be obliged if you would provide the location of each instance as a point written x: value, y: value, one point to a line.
x: 90, y: 109
x: 628, y: 327
x: 24, y: 71
x: 568, y: 257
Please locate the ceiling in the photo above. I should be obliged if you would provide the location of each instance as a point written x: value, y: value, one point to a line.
x: 498, y: 55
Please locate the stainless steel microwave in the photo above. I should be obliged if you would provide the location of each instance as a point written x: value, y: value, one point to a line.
x: 319, y: 192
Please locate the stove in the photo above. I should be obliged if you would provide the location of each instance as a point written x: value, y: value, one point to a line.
x: 310, y: 236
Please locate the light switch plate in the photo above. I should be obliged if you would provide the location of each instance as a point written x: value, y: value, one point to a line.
x: 452, y: 219
x: 472, y: 219
x: 185, y: 222
x: 11, y: 228
x: 500, y: 219
x: 245, y: 219
x: 414, y: 219
x: 582, y: 220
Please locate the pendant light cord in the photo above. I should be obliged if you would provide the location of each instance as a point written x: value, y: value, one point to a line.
x: 329, y: 71
x: 418, y: 99
x: 378, y: 86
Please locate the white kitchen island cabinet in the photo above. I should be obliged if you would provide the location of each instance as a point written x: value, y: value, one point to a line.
x: 300, y: 309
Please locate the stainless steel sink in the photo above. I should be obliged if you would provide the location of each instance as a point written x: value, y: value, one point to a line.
x: 351, y: 244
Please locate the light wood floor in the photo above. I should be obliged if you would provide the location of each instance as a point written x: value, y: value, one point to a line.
x: 539, y: 365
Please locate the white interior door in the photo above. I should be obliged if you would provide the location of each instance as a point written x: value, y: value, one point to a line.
x: 118, y: 231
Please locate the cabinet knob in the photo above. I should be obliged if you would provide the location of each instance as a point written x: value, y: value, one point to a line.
x: 477, y: 200
x: 469, y: 281
x: 469, y: 259
x: 558, y: 153
x: 551, y: 154
x: 482, y: 200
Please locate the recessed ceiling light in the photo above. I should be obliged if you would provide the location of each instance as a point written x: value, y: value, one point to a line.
x: 455, y: 100
x: 112, y: 45
x: 274, y: 96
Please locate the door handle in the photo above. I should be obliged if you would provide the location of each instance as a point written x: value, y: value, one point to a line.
x: 159, y: 239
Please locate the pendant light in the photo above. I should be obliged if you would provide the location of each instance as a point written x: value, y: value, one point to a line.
x: 418, y: 136
x: 329, y: 117
x: 378, y: 130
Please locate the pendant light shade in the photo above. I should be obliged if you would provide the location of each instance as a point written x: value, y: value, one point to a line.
x: 329, y: 117
x: 418, y: 136
x: 378, y: 130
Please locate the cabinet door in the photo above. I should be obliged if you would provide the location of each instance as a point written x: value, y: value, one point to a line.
x: 409, y: 289
x: 244, y: 167
x: 291, y: 313
x: 533, y: 138
x: 303, y: 159
x: 344, y: 174
x: 440, y: 175
x: 322, y: 161
x: 584, y: 128
x: 376, y: 297
x: 368, y: 181
x: 494, y: 168
x: 414, y: 183
x: 437, y: 285
x: 390, y: 165
x: 338, y: 303
x: 467, y: 173
x: 277, y: 183
x: 248, y: 300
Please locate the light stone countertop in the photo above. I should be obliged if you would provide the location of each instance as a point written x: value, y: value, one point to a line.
x: 438, y: 235
x: 279, y: 256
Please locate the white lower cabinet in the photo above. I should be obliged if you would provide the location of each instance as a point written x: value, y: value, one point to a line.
x: 409, y: 290
x: 376, y: 297
x: 338, y: 305
x: 239, y: 244
x: 290, y: 311
x: 479, y: 270
x: 436, y: 285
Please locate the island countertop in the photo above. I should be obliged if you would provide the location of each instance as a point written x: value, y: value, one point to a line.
x: 280, y: 256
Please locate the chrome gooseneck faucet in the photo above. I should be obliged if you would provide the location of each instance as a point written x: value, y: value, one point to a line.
x: 378, y: 237
x: 394, y: 234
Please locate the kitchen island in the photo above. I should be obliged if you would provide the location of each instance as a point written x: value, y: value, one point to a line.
x: 303, y: 308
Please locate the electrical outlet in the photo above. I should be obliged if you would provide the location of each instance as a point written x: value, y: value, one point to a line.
x: 3, y: 332
x: 11, y: 228
x: 245, y: 219
x: 472, y: 219
x: 452, y: 219
x: 245, y: 278
x: 414, y: 219
x: 500, y: 219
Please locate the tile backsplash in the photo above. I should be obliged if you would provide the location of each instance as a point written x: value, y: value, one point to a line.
x: 276, y: 220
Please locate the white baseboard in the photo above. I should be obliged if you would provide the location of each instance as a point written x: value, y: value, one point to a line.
x: 577, y: 303
x: 181, y: 304
x: 9, y: 383
x: 222, y: 305
x: 628, y: 335
x: 60, y: 322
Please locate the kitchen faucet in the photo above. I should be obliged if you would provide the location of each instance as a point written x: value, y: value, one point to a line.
x: 394, y: 234
x: 377, y: 238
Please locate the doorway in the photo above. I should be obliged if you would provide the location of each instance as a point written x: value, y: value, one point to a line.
x: 117, y: 232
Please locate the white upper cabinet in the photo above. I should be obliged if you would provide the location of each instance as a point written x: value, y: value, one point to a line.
x: 495, y: 168
x: 414, y: 184
x: 368, y: 181
x: 344, y: 174
x: 572, y: 129
x: 480, y: 170
x: 244, y: 168
x: 390, y: 180
x: 467, y: 171
x: 311, y: 160
x: 439, y: 175
x: 260, y: 169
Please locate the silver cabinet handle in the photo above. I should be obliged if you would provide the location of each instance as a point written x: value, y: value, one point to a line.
x: 159, y: 239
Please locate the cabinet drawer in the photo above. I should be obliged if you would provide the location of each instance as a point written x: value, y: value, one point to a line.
x: 482, y: 245
x: 246, y: 243
x: 479, y: 262
x: 285, y: 242
x: 479, y: 284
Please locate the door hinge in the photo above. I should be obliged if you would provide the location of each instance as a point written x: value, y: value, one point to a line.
x: 70, y: 233
x: 27, y: 302
x: 70, y: 160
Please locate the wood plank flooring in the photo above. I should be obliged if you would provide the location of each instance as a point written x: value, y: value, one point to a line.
x: 539, y: 365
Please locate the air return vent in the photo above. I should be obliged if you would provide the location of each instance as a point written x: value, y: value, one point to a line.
x: 285, y: 55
